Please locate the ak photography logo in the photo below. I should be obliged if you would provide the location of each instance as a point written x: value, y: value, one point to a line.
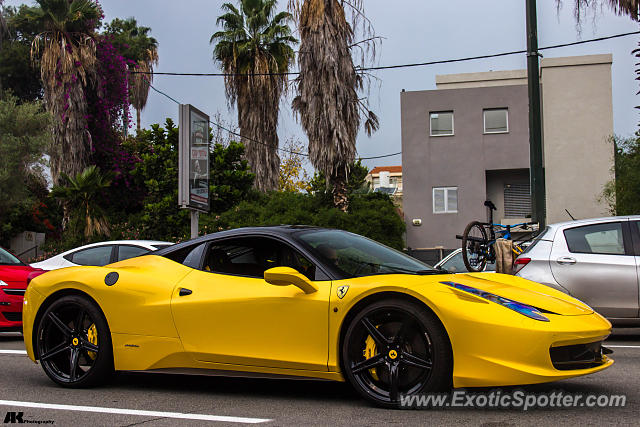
x: 18, y: 418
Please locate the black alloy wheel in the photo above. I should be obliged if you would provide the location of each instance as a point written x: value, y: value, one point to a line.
x: 396, y: 348
x: 74, y: 343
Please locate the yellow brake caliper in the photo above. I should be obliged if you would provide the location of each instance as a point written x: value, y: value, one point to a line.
x: 370, y: 351
x: 92, y: 337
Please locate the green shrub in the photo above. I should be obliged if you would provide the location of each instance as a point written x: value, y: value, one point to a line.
x: 372, y: 215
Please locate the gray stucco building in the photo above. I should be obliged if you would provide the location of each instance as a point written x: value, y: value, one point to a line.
x: 468, y: 141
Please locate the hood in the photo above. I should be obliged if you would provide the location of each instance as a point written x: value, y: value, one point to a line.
x: 523, y: 291
x: 15, y: 275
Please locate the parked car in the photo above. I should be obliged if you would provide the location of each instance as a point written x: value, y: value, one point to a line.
x: 307, y: 302
x: 453, y: 263
x: 595, y: 260
x: 99, y: 254
x: 13, y: 284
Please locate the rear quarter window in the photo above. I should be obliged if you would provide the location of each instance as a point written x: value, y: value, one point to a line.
x: 605, y: 239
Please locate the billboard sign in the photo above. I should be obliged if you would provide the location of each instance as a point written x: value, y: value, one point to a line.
x: 193, y: 154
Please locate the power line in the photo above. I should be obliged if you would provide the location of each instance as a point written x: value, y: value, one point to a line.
x: 228, y: 130
x: 495, y: 55
x: 218, y: 125
x: 389, y: 67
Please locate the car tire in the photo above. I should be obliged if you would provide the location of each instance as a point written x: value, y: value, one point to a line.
x: 73, y: 343
x: 395, y: 348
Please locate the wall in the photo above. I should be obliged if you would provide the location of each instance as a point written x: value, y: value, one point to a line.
x: 459, y: 160
x: 578, y: 120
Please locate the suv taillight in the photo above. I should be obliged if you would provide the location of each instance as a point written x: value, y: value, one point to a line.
x: 519, y: 264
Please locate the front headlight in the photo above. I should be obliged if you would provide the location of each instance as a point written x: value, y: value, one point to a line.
x: 524, y: 309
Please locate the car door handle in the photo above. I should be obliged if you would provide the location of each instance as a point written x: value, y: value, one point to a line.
x: 184, y: 291
x: 566, y: 260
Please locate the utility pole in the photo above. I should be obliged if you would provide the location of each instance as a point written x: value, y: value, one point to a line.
x: 536, y: 168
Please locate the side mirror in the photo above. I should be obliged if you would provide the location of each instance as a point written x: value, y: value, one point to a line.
x: 285, y: 276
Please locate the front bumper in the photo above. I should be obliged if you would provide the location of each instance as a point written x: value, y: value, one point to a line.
x: 521, y: 353
x: 11, y: 308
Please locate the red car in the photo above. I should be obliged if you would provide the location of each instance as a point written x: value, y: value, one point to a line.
x: 13, y: 283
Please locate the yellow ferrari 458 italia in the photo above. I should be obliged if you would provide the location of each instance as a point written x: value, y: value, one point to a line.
x: 299, y: 301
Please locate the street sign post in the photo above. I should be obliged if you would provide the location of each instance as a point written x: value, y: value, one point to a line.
x: 193, y: 159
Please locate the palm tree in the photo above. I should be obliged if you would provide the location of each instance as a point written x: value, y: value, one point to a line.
x: 67, y: 56
x: 327, y: 101
x: 84, y: 194
x: 135, y: 44
x: 254, y: 48
x: 630, y: 8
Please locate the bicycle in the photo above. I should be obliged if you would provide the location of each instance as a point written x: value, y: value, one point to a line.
x: 479, y: 238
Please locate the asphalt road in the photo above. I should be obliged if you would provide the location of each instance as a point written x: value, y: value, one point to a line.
x: 288, y: 402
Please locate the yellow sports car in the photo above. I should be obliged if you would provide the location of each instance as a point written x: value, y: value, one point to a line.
x: 301, y: 301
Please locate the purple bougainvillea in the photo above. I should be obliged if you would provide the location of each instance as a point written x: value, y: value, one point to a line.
x: 108, y: 115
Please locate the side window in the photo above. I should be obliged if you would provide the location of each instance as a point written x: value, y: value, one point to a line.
x: 455, y: 264
x: 596, y: 239
x: 252, y: 256
x: 99, y: 256
x: 126, y: 252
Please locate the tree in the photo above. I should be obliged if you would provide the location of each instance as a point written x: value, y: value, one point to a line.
x: 372, y: 215
x: 3, y: 31
x: 135, y: 44
x: 17, y: 71
x: 630, y: 8
x: 622, y: 194
x: 65, y: 48
x: 83, y: 193
x: 23, y: 137
x: 293, y: 176
x: 327, y: 101
x: 254, y: 48
x: 356, y: 182
x: 157, y: 172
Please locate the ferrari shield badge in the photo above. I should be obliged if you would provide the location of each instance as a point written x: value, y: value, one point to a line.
x: 342, y: 291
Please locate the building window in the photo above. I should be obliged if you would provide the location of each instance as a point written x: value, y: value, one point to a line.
x: 445, y: 200
x: 441, y: 123
x: 496, y: 120
x: 517, y: 200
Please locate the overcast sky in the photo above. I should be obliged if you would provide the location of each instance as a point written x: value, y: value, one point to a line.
x: 413, y: 31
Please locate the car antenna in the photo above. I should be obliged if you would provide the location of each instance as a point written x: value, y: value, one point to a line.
x: 569, y: 213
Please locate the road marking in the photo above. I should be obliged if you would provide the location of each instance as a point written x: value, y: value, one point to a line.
x: 622, y: 346
x: 98, y: 409
x: 13, y: 352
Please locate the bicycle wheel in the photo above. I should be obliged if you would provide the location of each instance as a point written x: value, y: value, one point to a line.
x: 475, y: 246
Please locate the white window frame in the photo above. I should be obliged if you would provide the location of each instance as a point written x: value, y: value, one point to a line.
x: 484, y: 120
x: 452, y: 123
x: 446, y: 200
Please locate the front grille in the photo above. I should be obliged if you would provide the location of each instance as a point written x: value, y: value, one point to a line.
x: 13, y: 316
x: 579, y: 356
x: 14, y: 291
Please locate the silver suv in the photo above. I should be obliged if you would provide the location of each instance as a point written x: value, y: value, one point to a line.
x: 594, y: 260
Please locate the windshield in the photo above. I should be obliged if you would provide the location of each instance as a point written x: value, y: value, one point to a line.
x: 7, y: 259
x: 352, y: 255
